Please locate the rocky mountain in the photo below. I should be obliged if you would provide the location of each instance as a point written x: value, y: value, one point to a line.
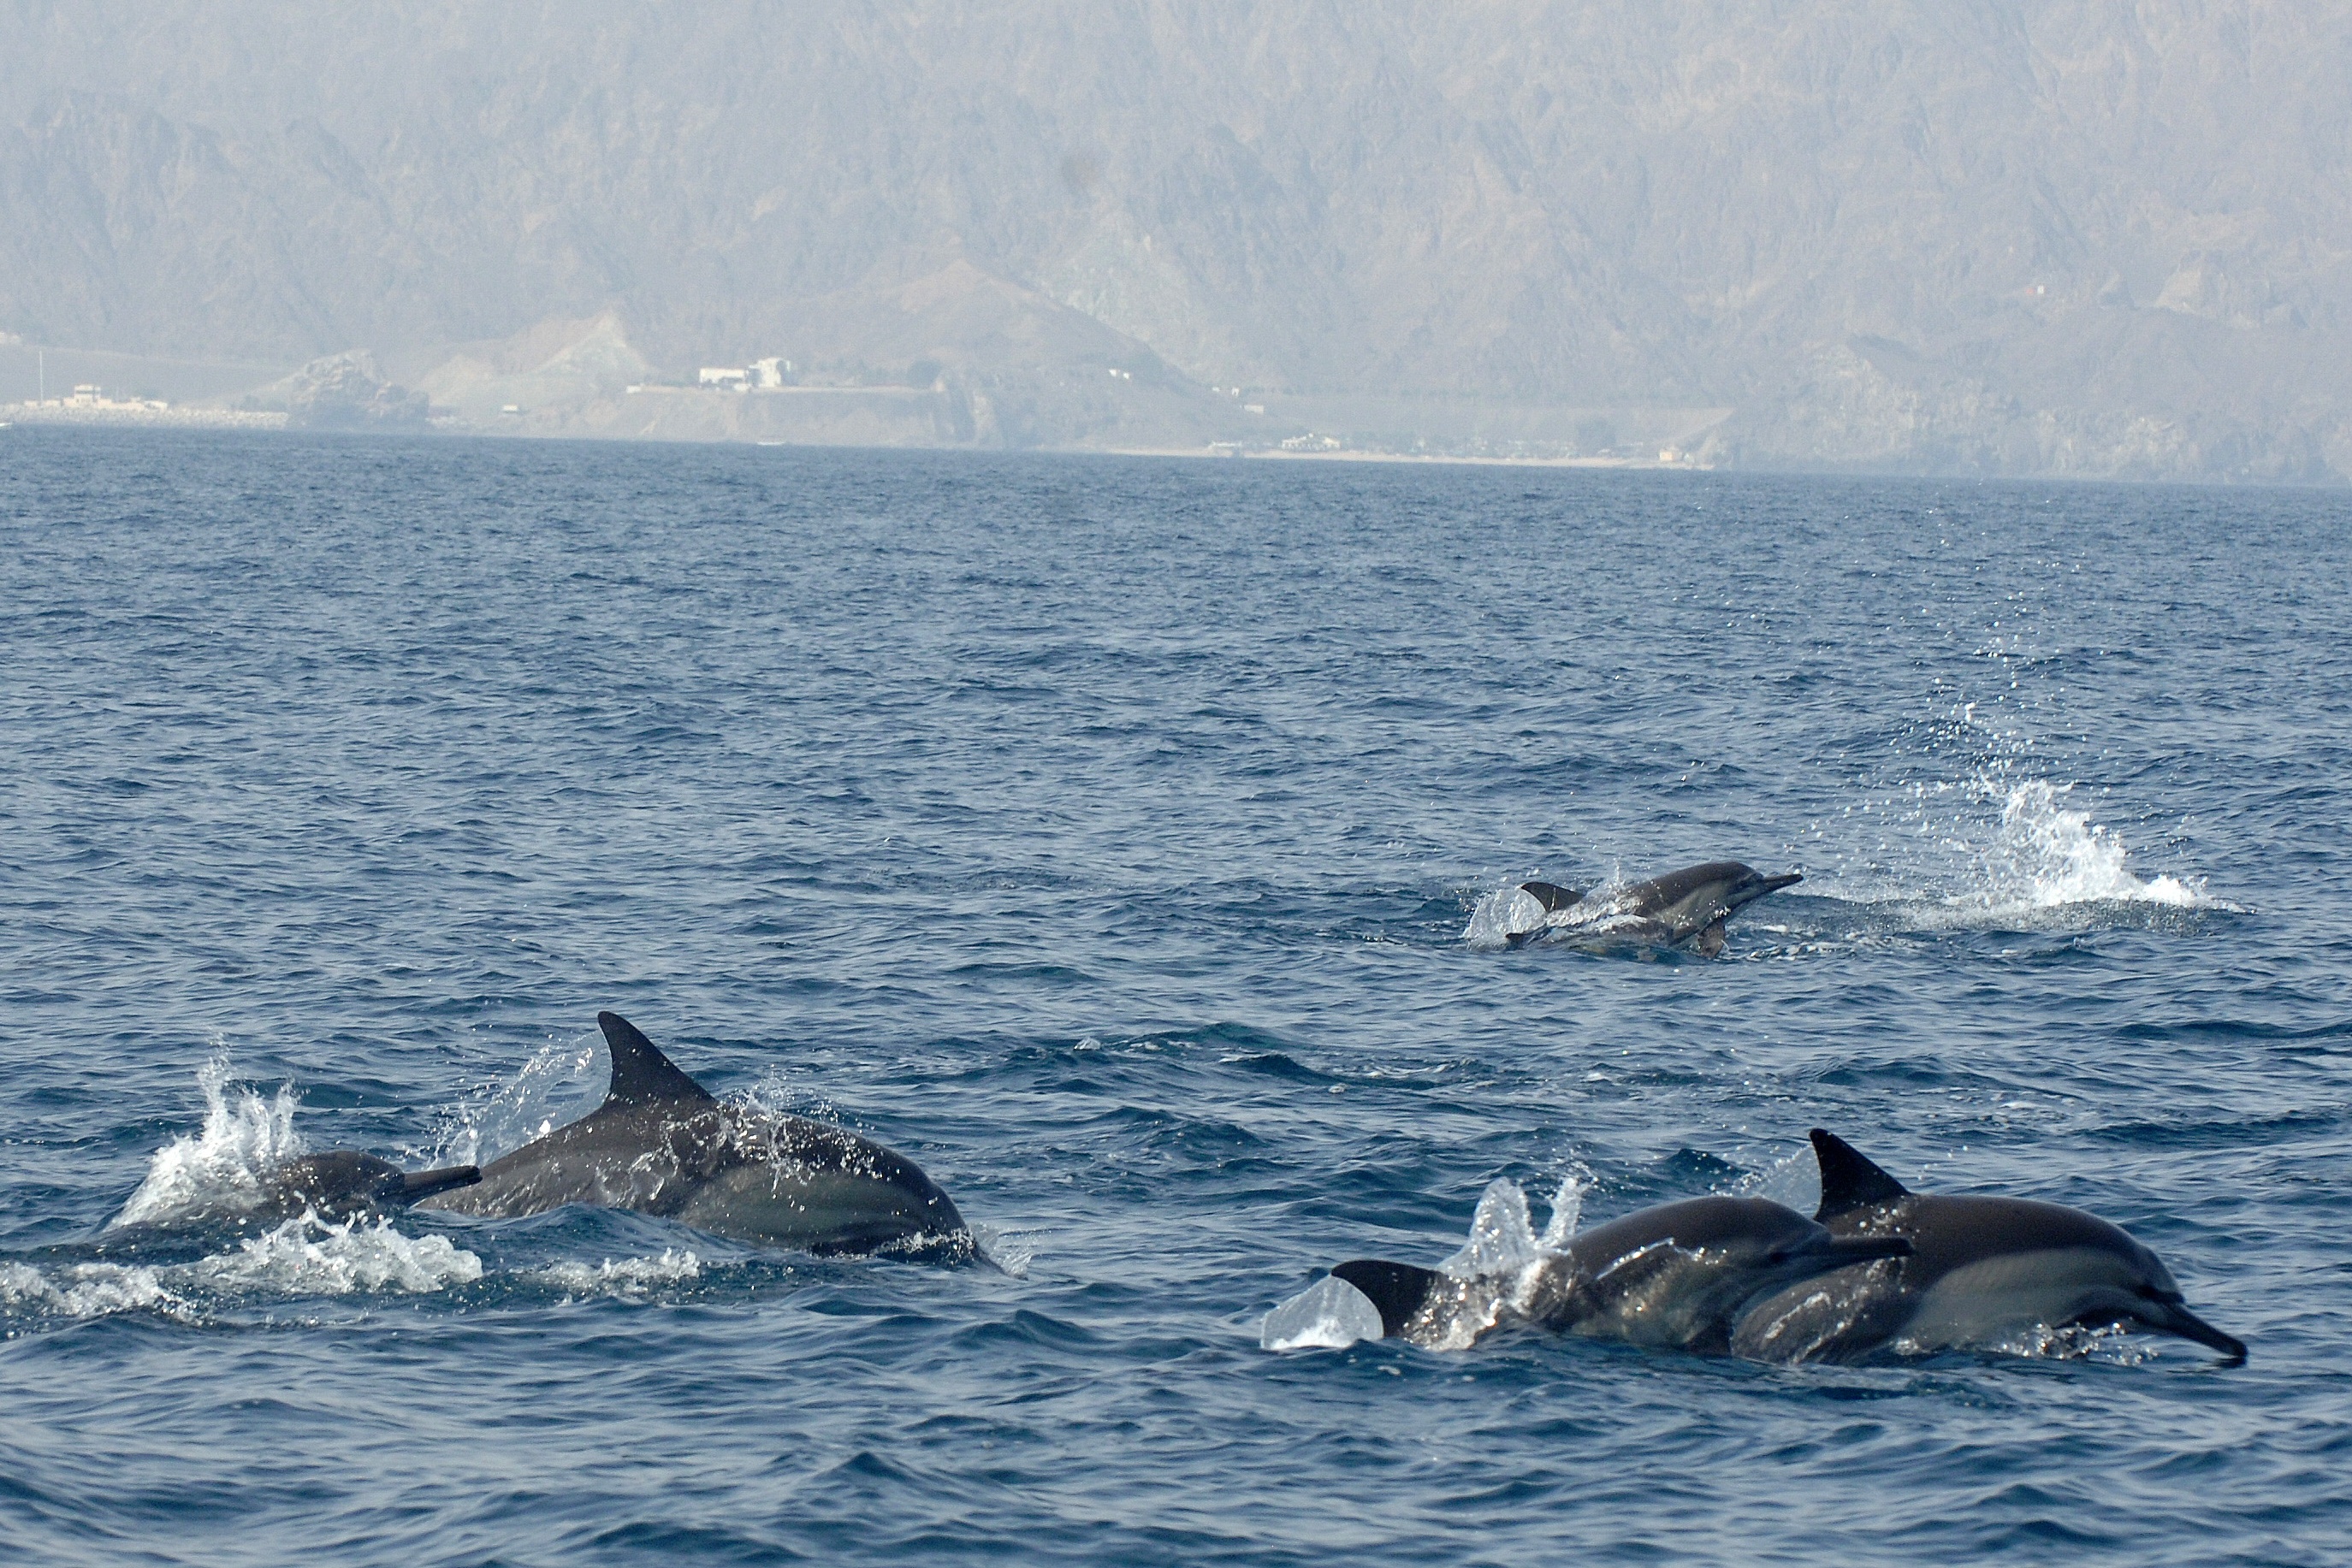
x: 1976, y: 236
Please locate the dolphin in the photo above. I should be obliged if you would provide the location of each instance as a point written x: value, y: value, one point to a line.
x: 1983, y: 1272
x: 1679, y: 1274
x: 661, y: 1144
x: 1666, y: 911
x: 336, y: 1185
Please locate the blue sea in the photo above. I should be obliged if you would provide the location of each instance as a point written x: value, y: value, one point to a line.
x: 1123, y: 841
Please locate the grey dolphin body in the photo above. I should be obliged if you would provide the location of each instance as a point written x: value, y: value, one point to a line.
x: 1983, y: 1271
x: 1669, y: 910
x: 661, y: 1144
x: 1679, y: 1275
x: 336, y: 1185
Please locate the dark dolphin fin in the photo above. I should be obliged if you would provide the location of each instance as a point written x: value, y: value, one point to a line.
x: 1398, y: 1290
x: 1551, y: 896
x: 642, y: 1075
x: 1710, y: 938
x: 1848, y: 1180
x: 414, y: 1185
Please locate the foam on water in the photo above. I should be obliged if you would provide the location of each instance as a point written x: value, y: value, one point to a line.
x: 218, y: 1169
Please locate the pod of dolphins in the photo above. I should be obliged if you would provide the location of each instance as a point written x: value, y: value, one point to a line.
x: 1878, y: 1270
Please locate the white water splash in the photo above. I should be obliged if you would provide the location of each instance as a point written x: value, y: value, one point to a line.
x: 311, y: 1257
x: 1499, y: 916
x: 629, y: 1277
x: 219, y: 1169
x: 1793, y: 1181
x: 1500, y: 1258
x: 307, y: 1257
x: 2048, y: 854
x: 560, y: 1083
x: 88, y: 1290
x: 1329, y: 1314
x: 1009, y: 1251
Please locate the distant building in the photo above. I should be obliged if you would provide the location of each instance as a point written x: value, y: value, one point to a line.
x: 726, y: 378
x: 767, y: 374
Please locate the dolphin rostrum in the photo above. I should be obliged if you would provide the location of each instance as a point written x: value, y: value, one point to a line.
x: 336, y: 1185
x: 1665, y: 911
x: 1679, y: 1274
x: 661, y: 1144
x: 1983, y: 1272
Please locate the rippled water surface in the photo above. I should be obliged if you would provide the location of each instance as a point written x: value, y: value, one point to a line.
x: 1121, y: 840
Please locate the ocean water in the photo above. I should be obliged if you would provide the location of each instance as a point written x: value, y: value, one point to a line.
x: 1124, y: 842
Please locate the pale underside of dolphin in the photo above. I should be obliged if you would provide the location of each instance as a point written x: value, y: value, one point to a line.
x: 661, y: 1144
x: 1985, y: 1273
x: 1678, y: 1275
x: 1686, y: 906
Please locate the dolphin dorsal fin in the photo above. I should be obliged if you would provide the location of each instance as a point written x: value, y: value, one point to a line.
x: 1848, y: 1180
x: 642, y: 1075
x: 1551, y: 896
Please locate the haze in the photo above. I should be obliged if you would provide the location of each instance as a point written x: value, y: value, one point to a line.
x: 2062, y: 238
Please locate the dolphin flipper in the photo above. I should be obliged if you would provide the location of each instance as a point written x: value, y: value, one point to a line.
x: 642, y: 1075
x: 1398, y: 1290
x: 1848, y: 1180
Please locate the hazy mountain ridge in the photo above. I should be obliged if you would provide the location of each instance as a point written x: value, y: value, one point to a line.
x: 2066, y: 237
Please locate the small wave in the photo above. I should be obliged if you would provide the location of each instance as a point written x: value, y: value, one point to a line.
x: 219, y: 1169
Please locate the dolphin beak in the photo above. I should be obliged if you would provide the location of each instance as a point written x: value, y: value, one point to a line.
x: 2171, y: 1317
x: 422, y: 1184
x: 1775, y: 883
x: 1865, y: 1249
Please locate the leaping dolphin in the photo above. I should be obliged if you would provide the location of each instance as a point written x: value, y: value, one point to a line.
x: 1679, y: 1274
x: 1665, y: 911
x: 661, y: 1144
x: 1983, y: 1272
